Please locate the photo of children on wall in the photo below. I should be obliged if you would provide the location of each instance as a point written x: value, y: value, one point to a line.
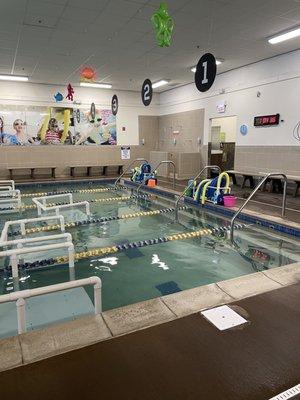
x: 23, y: 126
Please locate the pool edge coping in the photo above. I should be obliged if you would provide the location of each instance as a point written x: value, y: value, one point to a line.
x: 31, y: 347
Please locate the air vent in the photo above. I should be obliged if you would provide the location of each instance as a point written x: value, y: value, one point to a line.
x: 288, y: 394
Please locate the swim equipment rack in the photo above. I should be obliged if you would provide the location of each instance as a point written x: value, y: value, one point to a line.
x: 207, y: 167
x: 156, y: 168
x: 128, y: 168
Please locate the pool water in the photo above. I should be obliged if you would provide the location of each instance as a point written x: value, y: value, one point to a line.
x: 142, y: 273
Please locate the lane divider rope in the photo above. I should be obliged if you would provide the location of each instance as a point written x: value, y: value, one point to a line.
x: 96, y: 190
x: 103, y: 251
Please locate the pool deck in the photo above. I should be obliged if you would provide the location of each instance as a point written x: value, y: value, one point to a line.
x: 186, y: 358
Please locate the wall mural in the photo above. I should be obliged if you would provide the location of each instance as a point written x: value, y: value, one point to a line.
x: 21, y: 125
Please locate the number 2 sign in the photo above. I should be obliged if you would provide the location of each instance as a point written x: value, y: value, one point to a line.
x: 206, y: 72
x: 147, y: 92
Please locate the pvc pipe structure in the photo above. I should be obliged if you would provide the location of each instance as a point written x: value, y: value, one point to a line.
x: 20, y: 296
x: 23, y: 222
x: 13, y: 196
x: 41, y: 203
x: 14, y: 254
x: 8, y: 183
x: 20, y: 242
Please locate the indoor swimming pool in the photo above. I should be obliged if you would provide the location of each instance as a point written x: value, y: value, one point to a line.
x: 151, y: 254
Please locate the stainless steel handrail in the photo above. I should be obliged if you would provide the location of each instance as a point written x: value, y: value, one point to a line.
x: 127, y: 169
x: 156, y: 168
x: 252, y: 194
x: 207, y: 167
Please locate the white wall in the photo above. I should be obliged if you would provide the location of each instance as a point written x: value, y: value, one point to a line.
x: 228, y: 126
x: 130, y: 103
x: 278, y: 80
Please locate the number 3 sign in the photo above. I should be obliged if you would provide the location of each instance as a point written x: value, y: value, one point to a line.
x: 147, y: 92
x: 114, y: 104
x: 206, y: 72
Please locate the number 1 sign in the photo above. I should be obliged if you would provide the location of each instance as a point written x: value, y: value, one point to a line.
x: 147, y: 92
x: 206, y: 72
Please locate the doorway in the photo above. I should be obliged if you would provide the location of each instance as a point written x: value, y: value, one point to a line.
x: 221, y: 144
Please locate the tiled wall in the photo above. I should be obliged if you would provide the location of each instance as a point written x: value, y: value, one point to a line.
x: 191, y: 127
x: 268, y: 159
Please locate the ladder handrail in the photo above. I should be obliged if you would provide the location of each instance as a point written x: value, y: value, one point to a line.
x: 207, y: 167
x: 127, y: 169
x: 154, y: 169
x: 20, y: 296
x: 253, y: 193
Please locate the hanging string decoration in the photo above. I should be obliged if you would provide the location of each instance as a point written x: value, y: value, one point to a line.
x: 163, y: 25
x: 70, y: 95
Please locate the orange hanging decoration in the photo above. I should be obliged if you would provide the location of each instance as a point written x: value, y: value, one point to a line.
x: 88, y: 74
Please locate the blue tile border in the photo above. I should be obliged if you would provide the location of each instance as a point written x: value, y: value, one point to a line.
x: 289, y: 230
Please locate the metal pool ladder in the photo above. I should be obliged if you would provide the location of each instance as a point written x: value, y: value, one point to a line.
x: 128, y: 168
x: 154, y: 169
x: 253, y: 193
x: 207, y: 167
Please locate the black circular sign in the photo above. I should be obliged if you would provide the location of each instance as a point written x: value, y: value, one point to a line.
x: 93, y: 110
x: 147, y: 92
x: 206, y: 72
x: 114, y: 104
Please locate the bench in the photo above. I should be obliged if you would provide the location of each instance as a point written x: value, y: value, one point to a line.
x: 32, y: 171
x: 89, y: 169
x: 275, y: 182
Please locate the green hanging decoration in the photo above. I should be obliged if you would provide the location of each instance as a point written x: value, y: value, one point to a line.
x: 163, y: 25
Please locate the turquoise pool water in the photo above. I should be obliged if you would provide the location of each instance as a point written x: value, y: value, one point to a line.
x: 142, y: 273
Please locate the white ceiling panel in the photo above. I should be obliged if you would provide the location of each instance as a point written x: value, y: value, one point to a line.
x: 50, y: 40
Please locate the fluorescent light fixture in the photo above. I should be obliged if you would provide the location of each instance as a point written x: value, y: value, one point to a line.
x: 284, y: 36
x: 96, y: 85
x: 158, y: 84
x: 13, y: 78
x: 193, y: 69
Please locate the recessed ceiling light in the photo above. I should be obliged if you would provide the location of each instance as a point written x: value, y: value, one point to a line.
x: 96, y: 85
x: 285, y: 36
x: 218, y: 62
x: 14, y: 78
x: 158, y: 84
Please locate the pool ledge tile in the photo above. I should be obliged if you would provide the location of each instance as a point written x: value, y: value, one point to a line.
x: 10, y: 353
x: 137, y: 316
x: 287, y: 275
x: 248, y: 285
x: 57, y: 339
x: 196, y: 299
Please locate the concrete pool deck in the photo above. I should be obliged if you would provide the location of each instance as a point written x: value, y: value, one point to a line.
x: 185, y: 358
x: 56, y: 339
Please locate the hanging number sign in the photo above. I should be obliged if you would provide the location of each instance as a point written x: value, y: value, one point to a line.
x: 77, y: 113
x: 114, y: 104
x: 93, y: 110
x: 206, y: 72
x: 147, y: 92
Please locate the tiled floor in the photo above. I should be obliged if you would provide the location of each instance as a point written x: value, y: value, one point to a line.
x: 187, y: 358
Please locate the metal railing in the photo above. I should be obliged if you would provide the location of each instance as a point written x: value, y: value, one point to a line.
x: 207, y: 167
x: 128, y: 168
x: 23, y: 222
x: 252, y: 194
x: 20, y: 296
x: 156, y: 168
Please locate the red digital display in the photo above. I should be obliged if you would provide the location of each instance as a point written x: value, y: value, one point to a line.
x: 267, y: 120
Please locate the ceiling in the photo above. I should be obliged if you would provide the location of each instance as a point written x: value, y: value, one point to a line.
x: 50, y: 40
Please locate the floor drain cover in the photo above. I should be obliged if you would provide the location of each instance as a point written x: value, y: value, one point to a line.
x: 223, y: 317
x: 288, y: 394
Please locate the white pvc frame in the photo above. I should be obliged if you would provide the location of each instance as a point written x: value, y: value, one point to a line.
x: 41, y: 204
x: 23, y: 222
x: 20, y: 296
x: 15, y: 253
x: 9, y: 183
x: 10, y: 197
